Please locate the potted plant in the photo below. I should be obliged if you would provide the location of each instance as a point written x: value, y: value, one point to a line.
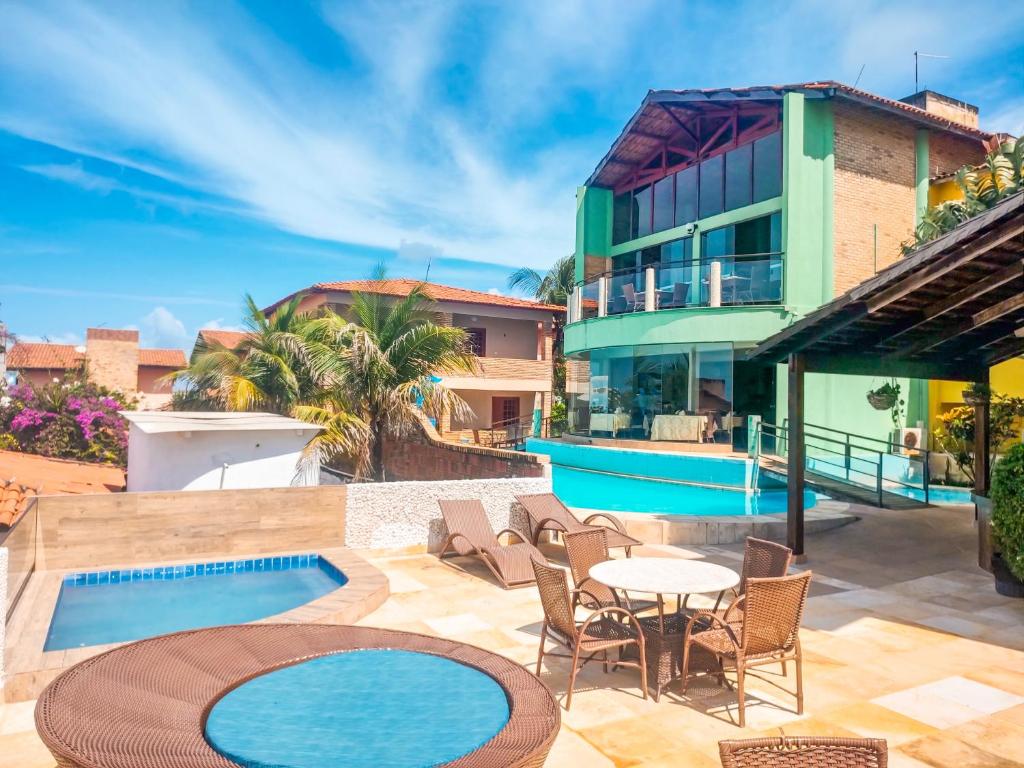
x: 977, y: 394
x: 1008, y: 523
x: 885, y: 397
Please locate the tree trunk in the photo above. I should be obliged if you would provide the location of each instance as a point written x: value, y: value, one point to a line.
x: 377, y: 456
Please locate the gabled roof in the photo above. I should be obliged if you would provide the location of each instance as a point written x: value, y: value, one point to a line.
x: 403, y: 286
x: 229, y: 339
x: 162, y: 358
x: 662, y: 113
x: 39, y: 356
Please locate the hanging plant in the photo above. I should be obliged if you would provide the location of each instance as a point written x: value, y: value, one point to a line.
x: 885, y: 397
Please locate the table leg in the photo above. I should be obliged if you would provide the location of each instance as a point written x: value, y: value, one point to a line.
x: 661, y: 613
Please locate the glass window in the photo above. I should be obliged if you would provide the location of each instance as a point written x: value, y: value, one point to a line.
x: 768, y: 167
x: 686, y: 195
x: 677, y: 251
x: 737, y: 177
x: 754, y: 236
x: 642, y: 211
x: 718, y: 242
x: 663, y: 204
x: 620, y: 218
x: 711, y: 186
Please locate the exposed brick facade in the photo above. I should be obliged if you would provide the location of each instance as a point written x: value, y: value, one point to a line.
x: 874, y: 186
x: 112, y: 358
x: 948, y: 153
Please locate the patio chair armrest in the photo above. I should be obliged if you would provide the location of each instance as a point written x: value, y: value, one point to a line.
x: 615, y: 522
x: 513, y: 532
x: 614, y: 611
x: 451, y: 540
x: 734, y: 605
x: 712, y: 619
x: 549, y: 524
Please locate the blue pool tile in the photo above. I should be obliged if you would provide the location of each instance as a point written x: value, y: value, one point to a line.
x: 80, y: 579
x: 114, y: 577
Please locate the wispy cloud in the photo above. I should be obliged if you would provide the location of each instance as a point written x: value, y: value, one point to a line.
x: 133, y: 297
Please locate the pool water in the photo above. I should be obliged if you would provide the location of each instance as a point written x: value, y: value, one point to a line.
x: 118, y: 606
x: 623, y: 493
x: 381, y: 708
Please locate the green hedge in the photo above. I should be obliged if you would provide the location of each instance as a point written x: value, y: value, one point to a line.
x: 1008, y: 508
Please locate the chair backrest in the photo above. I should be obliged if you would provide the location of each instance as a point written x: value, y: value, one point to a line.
x: 680, y: 292
x: 585, y: 549
x: 764, y: 560
x: 555, y: 599
x: 468, y: 517
x: 541, y: 506
x: 772, y: 612
x: 629, y: 292
x: 804, y: 752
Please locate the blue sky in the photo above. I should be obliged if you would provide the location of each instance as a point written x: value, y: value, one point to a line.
x: 158, y: 160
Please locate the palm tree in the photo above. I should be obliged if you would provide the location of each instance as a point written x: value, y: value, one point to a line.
x: 553, y: 287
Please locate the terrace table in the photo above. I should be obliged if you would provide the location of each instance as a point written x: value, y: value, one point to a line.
x: 660, y: 576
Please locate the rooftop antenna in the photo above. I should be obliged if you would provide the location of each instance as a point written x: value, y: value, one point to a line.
x: 859, y: 74
x: 917, y: 56
x: 426, y: 277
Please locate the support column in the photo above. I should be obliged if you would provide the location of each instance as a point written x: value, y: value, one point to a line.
x: 982, y: 445
x: 796, y: 457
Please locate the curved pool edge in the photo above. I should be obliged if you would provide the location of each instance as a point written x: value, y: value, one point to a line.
x: 654, y: 528
x: 27, y: 674
x: 176, y: 679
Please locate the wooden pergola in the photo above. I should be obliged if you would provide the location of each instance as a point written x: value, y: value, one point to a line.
x: 950, y: 310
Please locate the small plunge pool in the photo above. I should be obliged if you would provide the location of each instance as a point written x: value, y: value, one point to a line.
x: 121, y: 605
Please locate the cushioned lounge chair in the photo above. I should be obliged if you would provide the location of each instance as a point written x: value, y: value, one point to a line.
x: 470, y: 534
x: 547, y: 513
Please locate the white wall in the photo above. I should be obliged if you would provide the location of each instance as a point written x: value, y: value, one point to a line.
x: 480, y: 402
x: 505, y: 337
x: 179, y: 461
x: 400, y: 515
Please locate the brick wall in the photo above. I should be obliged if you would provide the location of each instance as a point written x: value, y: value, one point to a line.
x: 423, y: 456
x: 511, y: 368
x: 874, y: 185
x: 595, y: 265
x: 112, y: 358
x: 948, y: 153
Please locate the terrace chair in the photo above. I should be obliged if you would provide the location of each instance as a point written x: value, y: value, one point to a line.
x: 804, y: 752
x: 470, y: 533
x: 548, y: 513
x: 761, y: 560
x: 606, y: 629
x: 633, y: 302
x: 768, y: 634
x: 680, y: 293
x: 585, y: 549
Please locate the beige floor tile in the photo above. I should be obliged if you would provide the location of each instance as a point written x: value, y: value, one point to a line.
x: 970, y: 693
x: 877, y: 722
x: 945, y: 751
x: 459, y: 624
x: 17, y: 717
x: 24, y: 750
x: 936, y: 712
x: 570, y: 749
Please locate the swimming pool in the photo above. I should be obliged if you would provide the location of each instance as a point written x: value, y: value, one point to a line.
x: 394, y: 708
x: 621, y: 493
x: 117, y: 606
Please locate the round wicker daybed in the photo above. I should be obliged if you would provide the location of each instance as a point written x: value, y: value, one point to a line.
x: 146, y: 703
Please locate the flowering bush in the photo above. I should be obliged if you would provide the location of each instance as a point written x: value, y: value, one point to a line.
x: 70, y: 419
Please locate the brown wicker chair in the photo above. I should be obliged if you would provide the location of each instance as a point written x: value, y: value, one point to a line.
x: 606, y: 629
x: 548, y: 513
x: 584, y: 550
x: 769, y: 633
x: 761, y: 560
x: 804, y: 752
x: 470, y: 533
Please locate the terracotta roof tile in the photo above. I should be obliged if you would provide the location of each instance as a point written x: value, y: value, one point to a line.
x: 14, y: 500
x: 229, y: 339
x: 111, y: 334
x: 403, y: 286
x: 42, y: 474
x: 162, y: 358
x: 27, y: 355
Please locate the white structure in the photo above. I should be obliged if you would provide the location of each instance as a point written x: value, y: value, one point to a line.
x: 191, y: 451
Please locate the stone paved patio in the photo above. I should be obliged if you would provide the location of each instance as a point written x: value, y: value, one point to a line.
x: 904, y: 639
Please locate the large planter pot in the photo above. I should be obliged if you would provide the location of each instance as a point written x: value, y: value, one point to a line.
x: 881, y: 402
x: 1007, y: 584
x: 983, y: 516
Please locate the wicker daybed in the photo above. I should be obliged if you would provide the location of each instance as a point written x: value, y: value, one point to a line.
x: 146, y: 703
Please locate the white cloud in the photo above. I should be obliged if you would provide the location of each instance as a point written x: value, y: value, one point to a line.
x: 160, y: 328
x: 218, y: 324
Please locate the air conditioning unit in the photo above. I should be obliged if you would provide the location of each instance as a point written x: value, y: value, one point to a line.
x: 911, y: 440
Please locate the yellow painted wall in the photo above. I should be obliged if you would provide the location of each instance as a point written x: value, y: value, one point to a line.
x: 943, y: 191
x: 1006, y: 379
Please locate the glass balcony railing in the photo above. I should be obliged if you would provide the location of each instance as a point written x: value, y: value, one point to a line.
x: 721, y: 281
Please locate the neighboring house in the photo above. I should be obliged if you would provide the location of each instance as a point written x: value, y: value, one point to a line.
x: 716, y: 219
x: 194, y: 451
x: 207, y: 336
x: 512, y: 339
x: 111, y: 357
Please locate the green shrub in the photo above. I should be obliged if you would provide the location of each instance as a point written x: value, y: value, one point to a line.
x: 1008, y: 508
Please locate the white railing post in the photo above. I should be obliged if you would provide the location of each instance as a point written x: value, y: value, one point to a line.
x: 602, y: 296
x: 571, y: 310
x: 715, y: 284
x: 650, y: 290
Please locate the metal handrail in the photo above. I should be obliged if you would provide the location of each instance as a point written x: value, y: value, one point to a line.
x: 888, y: 443
x: 704, y: 260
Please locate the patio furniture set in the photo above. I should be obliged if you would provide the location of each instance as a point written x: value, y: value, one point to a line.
x: 760, y: 625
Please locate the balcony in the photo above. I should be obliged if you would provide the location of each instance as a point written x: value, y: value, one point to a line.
x: 723, y: 281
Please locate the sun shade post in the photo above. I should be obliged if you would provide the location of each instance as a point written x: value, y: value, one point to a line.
x: 982, y: 442
x: 797, y: 457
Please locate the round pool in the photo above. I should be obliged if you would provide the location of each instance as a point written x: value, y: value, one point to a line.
x: 381, y: 707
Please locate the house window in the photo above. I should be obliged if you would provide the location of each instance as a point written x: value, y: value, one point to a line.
x: 686, y: 195
x: 642, y: 212
x: 768, y: 167
x: 711, y: 186
x: 477, y: 338
x: 738, y: 177
x: 504, y: 409
x: 621, y: 231
x: 663, y: 212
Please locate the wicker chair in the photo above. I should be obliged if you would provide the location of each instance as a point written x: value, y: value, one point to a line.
x: 547, y: 513
x: 606, y: 629
x: 470, y: 533
x: 585, y: 549
x: 768, y: 634
x: 761, y: 560
x: 804, y: 752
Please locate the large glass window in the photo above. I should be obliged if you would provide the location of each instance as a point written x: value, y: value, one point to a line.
x: 663, y: 212
x: 768, y: 167
x: 622, y: 207
x: 742, y: 264
x: 738, y: 177
x: 686, y: 195
x: 642, y: 211
x: 711, y: 171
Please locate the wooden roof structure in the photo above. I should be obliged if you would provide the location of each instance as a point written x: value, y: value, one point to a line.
x: 950, y: 310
